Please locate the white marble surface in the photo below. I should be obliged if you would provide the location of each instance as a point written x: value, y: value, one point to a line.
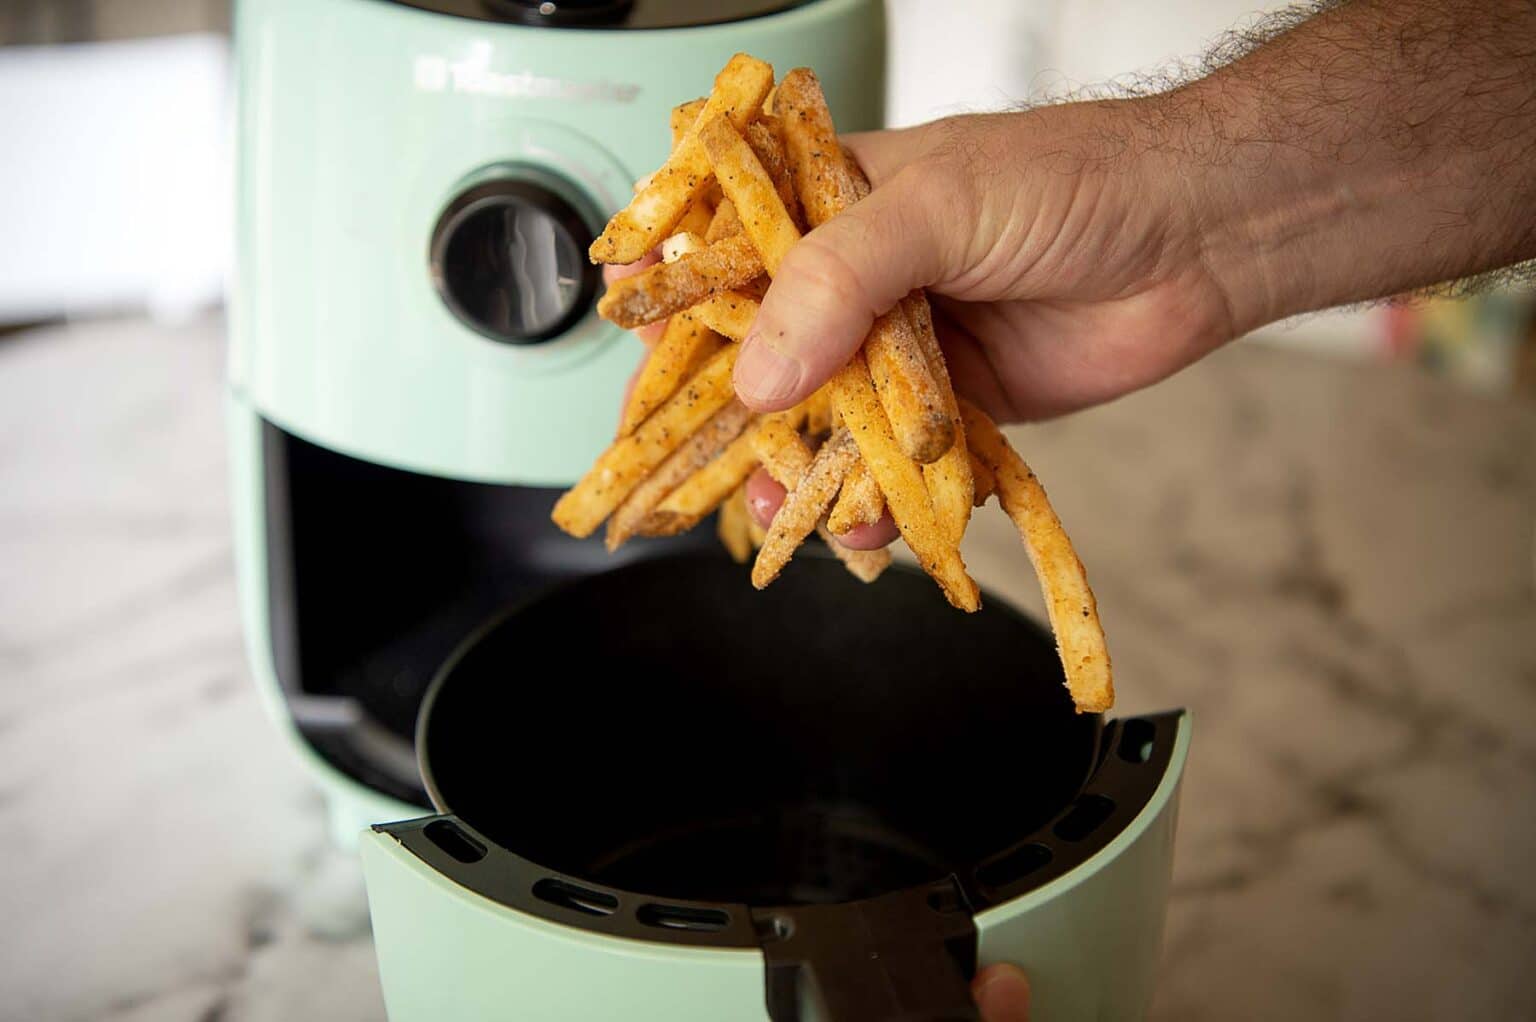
x: 1330, y: 564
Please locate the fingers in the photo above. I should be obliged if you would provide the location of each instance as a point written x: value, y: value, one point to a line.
x: 871, y: 537
x: 764, y: 497
x: 613, y: 272
x: 1002, y: 994
x: 836, y: 280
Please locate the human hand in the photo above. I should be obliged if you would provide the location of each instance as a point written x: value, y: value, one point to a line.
x: 1063, y: 271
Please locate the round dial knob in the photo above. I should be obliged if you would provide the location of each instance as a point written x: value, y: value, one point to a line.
x: 509, y: 257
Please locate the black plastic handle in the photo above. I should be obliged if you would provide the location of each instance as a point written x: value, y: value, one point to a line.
x: 904, y: 957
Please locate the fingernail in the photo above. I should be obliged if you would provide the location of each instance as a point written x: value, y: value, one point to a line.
x: 764, y: 375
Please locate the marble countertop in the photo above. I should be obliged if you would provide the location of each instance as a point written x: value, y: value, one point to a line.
x: 1330, y: 564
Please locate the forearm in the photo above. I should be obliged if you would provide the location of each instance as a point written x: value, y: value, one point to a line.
x: 1380, y: 147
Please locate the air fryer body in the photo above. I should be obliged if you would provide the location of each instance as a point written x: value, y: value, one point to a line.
x: 393, y: 462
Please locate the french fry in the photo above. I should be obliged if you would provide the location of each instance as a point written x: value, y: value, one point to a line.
x: 724, y: 223
x: 859, y: 502
x: 733, y: 528
x: 818, y: 415
x: 682, y: 282
x: 729, y: 314
x: 619, y: 469
x: 763, y: 136
x: 683, y: 116
x: 804, y: 505
x: 908, y: 391
x: 901, y: 480
x: 763, y: 217
x: 699, y: 216
x: 821, y: 176
x: 984, y: 481
x: 695, y: 453
x: 703, y: 491
x: 782, y: 451
x: 864, y: 565
x: 683, y: 345
x: 949, y: 477
x: 650, y: 216
x: 1069, y: 601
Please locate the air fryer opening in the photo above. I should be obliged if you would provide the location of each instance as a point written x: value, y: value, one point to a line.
x: 664, y: 728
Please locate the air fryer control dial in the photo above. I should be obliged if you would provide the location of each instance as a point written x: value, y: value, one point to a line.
x: 509, y: 257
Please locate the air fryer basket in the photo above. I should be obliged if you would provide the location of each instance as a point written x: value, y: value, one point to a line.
x: 837, y: 773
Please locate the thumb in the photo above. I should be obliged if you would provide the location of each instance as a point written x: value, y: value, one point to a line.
x: 832, y: 285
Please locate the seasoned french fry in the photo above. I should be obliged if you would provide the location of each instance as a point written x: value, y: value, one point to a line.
x: 699, y: 216
x: 821, y: 176
x: 949, y: 477
x: 729, y: 314
x: 782, y: 451
x: 619, y: 469
x: 650, y: 216
x: 859, y: 502
x: 733, y: 528
x: 864, y: 565
x: 1069, y: 601
x: 763, y: 216
x: 702, y: 492
x: 683, y: 116
x: 985, y: 482
x: 901, y: 480
x: 683, y: 345
x: 818, y: 416
x: 763, y: 136
x: 695, y: 453
x: 804, y: 505
x: 908, y: 391
x: 689, y: 278
x: 724, y: 223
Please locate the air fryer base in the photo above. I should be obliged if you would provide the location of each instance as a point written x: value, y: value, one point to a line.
x: 1089, y: 939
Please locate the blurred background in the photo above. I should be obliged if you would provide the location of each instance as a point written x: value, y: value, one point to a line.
x: 1321, y: 541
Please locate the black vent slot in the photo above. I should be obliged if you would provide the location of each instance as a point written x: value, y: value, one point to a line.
x: 1084, y: 819
x: 1014, y: 866
x: 459, y: 845
x: 575, y: 897
x: 682, y: 917
x: 1137, y: 741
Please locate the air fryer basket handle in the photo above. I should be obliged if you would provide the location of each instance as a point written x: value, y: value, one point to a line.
x: 904, y: 957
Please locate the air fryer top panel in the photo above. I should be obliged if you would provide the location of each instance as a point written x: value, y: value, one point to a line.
x: 608, y: 13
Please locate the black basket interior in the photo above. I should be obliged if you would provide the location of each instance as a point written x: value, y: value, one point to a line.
x: 665, y: 728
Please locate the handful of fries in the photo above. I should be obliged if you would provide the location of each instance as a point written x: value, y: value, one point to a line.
x: 752, y: 167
